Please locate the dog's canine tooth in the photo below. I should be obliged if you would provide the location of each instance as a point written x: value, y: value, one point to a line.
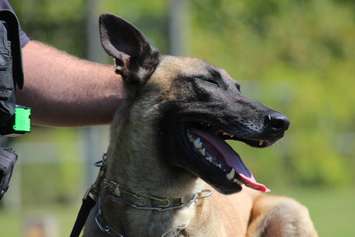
x: 198, y: 143
x: 231, y: 174
x: 203, y: 151
x: 261, y: 142
x: 227, y: 134
x: 190, y: 136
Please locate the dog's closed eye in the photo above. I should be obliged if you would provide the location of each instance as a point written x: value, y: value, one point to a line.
x: 208, y: 80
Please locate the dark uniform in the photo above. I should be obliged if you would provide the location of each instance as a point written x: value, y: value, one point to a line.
x: 11, y: 77
x: 5, y: 5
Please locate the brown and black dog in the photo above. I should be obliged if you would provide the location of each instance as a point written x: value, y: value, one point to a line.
x: 168, y: 148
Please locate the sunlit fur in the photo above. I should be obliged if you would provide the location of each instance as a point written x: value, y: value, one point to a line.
x: 134, y: 160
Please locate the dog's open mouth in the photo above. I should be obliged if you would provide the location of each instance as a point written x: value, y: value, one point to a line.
x: 211, y: 147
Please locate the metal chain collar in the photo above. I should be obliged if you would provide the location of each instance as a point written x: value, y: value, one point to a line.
x: 151, y: 202
x: 141, y: 202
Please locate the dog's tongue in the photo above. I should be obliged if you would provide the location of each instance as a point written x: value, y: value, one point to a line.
x: 223, y: 151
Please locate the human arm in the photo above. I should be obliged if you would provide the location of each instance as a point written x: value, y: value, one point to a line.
x: 66, y: 91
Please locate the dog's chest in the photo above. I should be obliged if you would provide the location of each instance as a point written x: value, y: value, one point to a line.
x: 184, y: 216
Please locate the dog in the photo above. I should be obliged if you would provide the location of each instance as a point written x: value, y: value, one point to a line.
x: 168, y: 168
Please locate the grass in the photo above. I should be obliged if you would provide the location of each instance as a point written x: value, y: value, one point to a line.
x: 333, y: 212
x: 12, y: 222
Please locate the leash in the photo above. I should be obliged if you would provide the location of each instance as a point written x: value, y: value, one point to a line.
x: 135, y: 200
x: 89, y: 200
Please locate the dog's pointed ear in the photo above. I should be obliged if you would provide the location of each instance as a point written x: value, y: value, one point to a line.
x: 135, y: 59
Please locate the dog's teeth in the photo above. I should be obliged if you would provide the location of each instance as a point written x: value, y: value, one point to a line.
x: 209, y: 158
x: 261, y: 142
x: 227, y: 134
x: 203, y: 151
x: 198, y: 143
x: 237, y: 181
x: 231, y: 174
x: 190, y: 137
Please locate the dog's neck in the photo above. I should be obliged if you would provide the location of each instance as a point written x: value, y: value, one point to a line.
x: 134, y: 163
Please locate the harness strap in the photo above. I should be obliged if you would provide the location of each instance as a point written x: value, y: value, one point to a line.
x: 89, y: 200
x: 88, y: 203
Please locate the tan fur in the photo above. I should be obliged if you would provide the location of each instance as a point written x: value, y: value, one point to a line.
x: 133, y: 162
x: 252, y: 214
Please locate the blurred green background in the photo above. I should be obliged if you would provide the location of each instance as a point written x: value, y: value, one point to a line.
x: 295, y: 56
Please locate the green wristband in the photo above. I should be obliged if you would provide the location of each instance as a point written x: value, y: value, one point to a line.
x: 22, y: 119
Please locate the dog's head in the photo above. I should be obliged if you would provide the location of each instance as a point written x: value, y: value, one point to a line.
x: 195, y: 107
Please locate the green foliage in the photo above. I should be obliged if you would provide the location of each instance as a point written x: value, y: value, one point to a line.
x: 52, y: 173
x: 298, y: 57
x: 152, y: 17
x: 55, y: 23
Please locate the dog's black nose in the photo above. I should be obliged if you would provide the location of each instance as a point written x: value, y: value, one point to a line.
x: 277, y: 122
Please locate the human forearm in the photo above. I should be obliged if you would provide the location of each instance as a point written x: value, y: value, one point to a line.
x: 66, y: 91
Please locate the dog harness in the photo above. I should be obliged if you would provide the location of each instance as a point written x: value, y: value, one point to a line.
x: 135, y: 200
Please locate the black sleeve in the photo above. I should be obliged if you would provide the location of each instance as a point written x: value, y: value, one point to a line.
x: 5, y: 5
